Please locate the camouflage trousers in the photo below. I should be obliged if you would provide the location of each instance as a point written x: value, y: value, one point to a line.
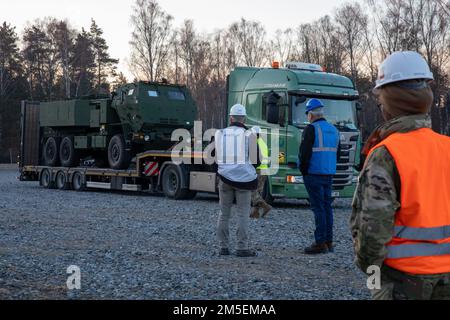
x: 257, y: 199
x: 396, y: 285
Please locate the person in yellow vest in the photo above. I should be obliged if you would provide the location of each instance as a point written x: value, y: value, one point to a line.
x: 401, y: 209
x: 258, y: 203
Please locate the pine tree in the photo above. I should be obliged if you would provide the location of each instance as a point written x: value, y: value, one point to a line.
x: 11, y: 88
x: 65, y: 38
x: 10, y: 61
x: 35, y: 43
x: 41, y: 58
x: 119, y: 80
x: 104, y: 64
x: 83, y: 64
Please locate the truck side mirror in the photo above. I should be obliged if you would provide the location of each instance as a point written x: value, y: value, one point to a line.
x: 300, y: 100
x: 273, y: 109
x: 273, y: 112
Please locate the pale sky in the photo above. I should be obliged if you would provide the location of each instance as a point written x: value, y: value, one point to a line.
x: 113, y: 16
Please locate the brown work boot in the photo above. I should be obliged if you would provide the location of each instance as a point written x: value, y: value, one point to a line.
x: 224, y: 252
x: 317, y: 248
x: 255, y: 213
x: 330, y: 246
x: 246, y: 253
x: 266, y: 209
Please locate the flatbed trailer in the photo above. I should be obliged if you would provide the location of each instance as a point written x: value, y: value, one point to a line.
x: 153, y: 170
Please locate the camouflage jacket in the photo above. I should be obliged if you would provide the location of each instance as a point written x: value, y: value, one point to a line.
x: 377, y: 195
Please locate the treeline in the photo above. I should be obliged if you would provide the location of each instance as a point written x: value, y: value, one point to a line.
x: 51, y: 60
x: 351, y: 42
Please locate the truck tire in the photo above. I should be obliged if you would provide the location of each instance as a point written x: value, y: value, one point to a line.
x: 266, y: 193
x: 45, y: 180
x: 118, y: 156
x: 77, y: 181
x: 61, y: 181
x: 51, y: 152
x: 171, y: 183
x: 67, y: 153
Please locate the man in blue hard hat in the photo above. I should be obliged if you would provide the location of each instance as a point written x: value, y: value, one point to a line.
x: 319, y: 154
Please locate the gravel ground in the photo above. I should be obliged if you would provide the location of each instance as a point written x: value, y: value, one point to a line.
x: 131, y: 246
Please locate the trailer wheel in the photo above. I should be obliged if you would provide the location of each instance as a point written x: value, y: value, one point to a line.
x: 171, y: 183
x: 118, y: 156
x: 46, y: 179
x: 61, y: 181
x: 51, y: 152
x: 266, y: 193
x: 67, y: 153
x: 77, y: 181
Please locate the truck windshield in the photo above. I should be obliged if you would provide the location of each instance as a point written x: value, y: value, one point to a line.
x: 338, y: 112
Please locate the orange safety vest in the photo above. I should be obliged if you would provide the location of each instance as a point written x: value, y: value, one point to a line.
x: 421, y: 242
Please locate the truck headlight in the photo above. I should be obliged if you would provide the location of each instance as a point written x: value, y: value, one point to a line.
x: 147, y: 138
x: 294, y: 179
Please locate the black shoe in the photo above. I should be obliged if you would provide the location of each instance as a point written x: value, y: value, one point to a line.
x: 245, y: 253
x: 317, y: 248
x: 224, y: 252
x: 330, y: 246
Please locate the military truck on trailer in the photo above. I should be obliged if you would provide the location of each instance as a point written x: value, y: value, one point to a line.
x: 138, y: 117
x: 274, y: 97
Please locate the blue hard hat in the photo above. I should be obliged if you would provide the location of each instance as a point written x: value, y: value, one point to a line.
x: 313, y: 104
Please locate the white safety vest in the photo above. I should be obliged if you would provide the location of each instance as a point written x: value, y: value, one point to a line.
x: 233, y: 155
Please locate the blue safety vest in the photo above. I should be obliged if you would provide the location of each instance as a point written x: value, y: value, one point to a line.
x: 324, y: 153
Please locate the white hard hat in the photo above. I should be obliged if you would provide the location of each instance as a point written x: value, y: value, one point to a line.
x: 256, y: 130
x: 238, y: 110
x: 401, y: 66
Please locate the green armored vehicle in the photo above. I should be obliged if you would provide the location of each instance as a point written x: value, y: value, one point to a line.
x: 137, y: 117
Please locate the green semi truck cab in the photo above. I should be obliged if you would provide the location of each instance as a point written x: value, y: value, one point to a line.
x: 275, y: 98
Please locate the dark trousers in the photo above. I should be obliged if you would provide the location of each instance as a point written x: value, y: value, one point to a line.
x: 319, y: 190
x: 396, y: 285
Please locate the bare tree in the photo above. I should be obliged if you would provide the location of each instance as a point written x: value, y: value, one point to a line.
x: 250, y: 37
x: 351, y: 21
x: 306, y: 43
x: 281, y: 47
x: 152, y: 38
x: 445, y: 6
x: 188, y: 42
x: 369, y: 52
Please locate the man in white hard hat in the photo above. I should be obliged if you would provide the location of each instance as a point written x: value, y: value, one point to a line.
x: 237, y: 164
x: 401, y: 209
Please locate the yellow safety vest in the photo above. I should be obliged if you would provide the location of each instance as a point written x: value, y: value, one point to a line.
x: 264, y: 153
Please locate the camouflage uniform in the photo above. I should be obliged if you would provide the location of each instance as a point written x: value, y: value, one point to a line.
x: 374, y: 206
x: 258, y: 202
x: 257, y: 199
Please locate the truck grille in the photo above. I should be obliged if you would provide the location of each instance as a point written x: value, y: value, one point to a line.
x: 344, y: 174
